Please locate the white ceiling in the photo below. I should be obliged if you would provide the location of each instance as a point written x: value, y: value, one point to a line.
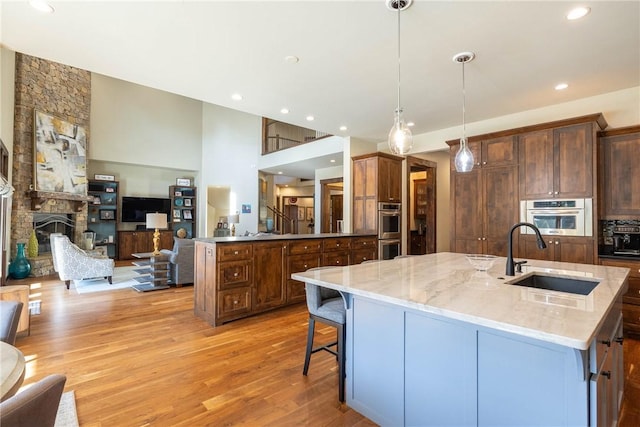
x: 347, y: 73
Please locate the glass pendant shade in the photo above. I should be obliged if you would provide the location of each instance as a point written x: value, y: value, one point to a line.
x: 464, y: 157
x: 400, y: 138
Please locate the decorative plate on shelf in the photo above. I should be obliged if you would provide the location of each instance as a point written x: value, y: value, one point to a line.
x: 179, y: 202
x: 181, y: 233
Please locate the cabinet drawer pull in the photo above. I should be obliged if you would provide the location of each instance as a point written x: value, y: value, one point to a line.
x: 619, y: 340
x: 305, y: 247
x: 235, y: 301
x: 305, y: 266
x: 235, y: 274
x: 607, y: 374
x: 235, y: 252
x: 338, y: 262
x: 606, y: 342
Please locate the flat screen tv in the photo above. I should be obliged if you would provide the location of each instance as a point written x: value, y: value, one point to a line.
x: 135, y: 209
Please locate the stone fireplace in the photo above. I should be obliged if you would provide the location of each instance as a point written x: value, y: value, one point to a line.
x: 64, y: 92
x: 45, y: 224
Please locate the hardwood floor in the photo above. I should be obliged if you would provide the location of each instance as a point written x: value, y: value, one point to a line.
x: 137, y: 359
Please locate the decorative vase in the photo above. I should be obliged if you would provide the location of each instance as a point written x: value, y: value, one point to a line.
x: 32, y: 246
x: 269, y: 225
x: 20, y: 267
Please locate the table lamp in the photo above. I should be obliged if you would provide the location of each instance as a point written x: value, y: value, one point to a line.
x: 157, y: 221
x: 233, y: 219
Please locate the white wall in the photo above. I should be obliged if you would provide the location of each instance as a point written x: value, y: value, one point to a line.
x: 231, y: 146
x: 620, y: 109
x: 139, y: 125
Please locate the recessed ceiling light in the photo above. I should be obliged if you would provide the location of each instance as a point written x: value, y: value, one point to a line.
x: 279, y: 172
x: 42, y: 6
x: 236, y: 97
x: 343, y: 128
x: 561, y: 86
x: 410, y: 124
x: 291, y: 59
x: 578, y: 13
x: 284, y: 111
x: 310, y: 118
x: 332, y: 160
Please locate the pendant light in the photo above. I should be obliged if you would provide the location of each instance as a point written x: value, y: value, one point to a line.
x: 464, y: 156
x: 400, y: 139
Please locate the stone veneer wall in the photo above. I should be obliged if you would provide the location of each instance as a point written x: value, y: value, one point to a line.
x: 61, y: 91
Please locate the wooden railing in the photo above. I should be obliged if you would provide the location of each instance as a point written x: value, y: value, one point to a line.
x: 280, y: 136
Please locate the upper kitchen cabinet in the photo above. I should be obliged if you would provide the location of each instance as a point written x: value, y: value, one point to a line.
x: 377, y: 178
x: 489, y: 152
x: 558, y: 161
x: 484, y: 202
x: 619, y: 162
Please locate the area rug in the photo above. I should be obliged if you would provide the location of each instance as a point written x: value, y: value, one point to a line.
x: 67, y: 415
x: 123, y: 277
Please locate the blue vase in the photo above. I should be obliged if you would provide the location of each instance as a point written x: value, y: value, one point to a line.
x: 20, y: 267
x: 269, y: 225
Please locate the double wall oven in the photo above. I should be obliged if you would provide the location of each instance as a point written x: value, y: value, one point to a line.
x: 389, y: 230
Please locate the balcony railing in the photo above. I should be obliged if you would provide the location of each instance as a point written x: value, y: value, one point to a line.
x: 280, y: 136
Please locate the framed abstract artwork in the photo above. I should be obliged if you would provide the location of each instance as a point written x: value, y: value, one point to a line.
x: 60, y: 155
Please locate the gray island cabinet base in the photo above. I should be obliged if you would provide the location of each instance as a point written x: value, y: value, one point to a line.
x: 415, y: 364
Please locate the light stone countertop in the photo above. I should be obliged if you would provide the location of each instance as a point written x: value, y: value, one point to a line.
x: 446, y: 284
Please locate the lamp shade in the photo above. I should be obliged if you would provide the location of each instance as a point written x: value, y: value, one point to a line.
x: 156, y: 220
x: 233, y: 219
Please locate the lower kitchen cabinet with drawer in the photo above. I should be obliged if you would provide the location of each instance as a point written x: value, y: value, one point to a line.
x: 241, y: 277
x: 630, y: 300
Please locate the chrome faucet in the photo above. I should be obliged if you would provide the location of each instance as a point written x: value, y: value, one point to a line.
x: 510, y: 263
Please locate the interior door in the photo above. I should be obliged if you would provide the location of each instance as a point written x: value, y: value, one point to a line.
x: 336, y: 211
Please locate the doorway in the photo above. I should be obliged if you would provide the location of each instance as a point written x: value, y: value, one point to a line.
x: 421, y: 200
x: 331, y: 201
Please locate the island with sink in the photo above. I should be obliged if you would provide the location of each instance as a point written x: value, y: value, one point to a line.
x: 432, y: 341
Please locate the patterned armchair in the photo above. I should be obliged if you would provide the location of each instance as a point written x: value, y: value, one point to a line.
x: 72, y: 263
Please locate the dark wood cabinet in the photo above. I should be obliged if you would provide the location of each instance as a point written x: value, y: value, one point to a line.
x: 418, y: 243
x: 130, y: 242
x: 558, y: 163
x: 485, y: 200
x: 239, y: 279
x: 630, y: 300
x: 363, y: 249
x: 269, y: 279
x: 620, y: 178
x: 564, y: 249
x: 377, y: 178
x: 549, y: 160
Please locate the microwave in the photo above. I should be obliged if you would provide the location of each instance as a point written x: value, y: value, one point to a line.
x: 558, y: 217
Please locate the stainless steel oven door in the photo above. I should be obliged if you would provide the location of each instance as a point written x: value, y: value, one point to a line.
x: 558, y: 223
x: 389, y: 224
x: 388, y: 248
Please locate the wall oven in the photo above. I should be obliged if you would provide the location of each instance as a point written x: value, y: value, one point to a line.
x: 389, y: 221
x: 559, y: 217
x: 388, y: 248
x: 389, y: 230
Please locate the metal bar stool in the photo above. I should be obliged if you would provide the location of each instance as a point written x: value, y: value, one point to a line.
x: 326, y: 306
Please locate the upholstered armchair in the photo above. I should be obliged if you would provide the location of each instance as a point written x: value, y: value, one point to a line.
x: 181, y: 261
x: 9, y: 319
x: 72, y: 263
x: 34, y: 406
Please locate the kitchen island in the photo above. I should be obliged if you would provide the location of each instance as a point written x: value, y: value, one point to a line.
x: 236, y: 277
x: 431, y: 341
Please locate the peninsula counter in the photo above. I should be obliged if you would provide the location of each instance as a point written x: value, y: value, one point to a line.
x: 236, y: 277
x: 431, y: 341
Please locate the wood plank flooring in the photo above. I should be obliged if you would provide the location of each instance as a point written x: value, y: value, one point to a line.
x: 144, y: 359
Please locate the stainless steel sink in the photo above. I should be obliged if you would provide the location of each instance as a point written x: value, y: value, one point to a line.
x: 554, y: 283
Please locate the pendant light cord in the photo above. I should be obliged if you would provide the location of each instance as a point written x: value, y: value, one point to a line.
x: 464, y: 130
x: 398, y: 4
